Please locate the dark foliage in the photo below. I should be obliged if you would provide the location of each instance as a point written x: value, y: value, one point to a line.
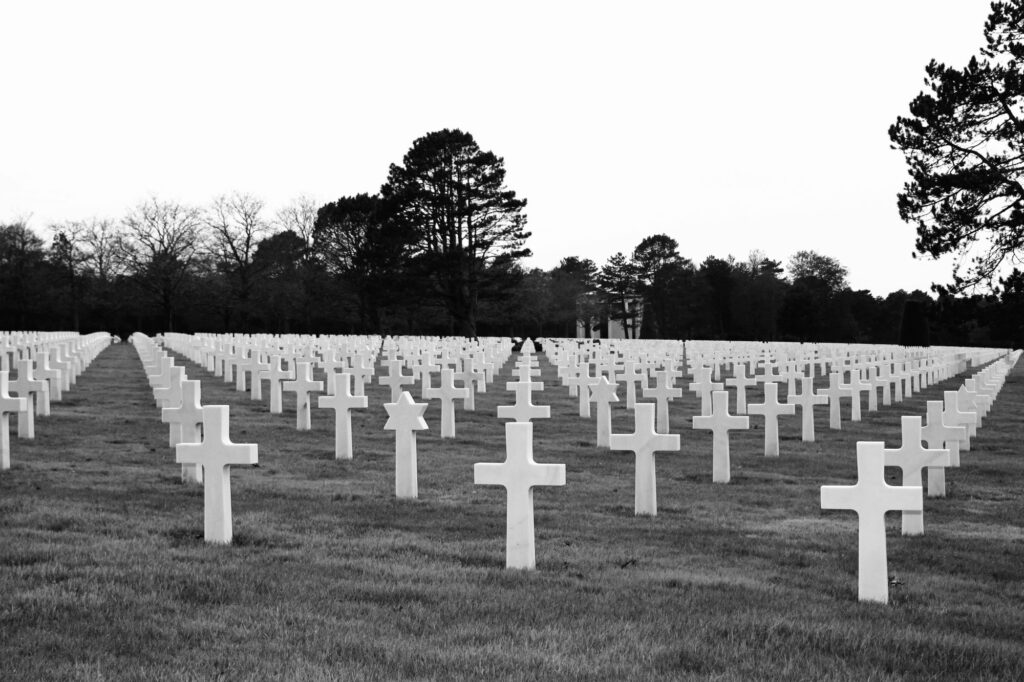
x: 963, y: 143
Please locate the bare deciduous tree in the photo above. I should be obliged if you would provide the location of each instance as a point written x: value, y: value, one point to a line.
x: 236, y: 227
x: 162, y: 241
x: 299, y: 216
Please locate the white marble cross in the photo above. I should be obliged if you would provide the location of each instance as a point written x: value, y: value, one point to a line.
x: 468, y: 376
x: 954, y: 416
x: 644, y: 442
x: 187, y: 416
x: 53, y: 376
x: 519, y: 474
x: 720, y: 422
x: 447, y: 392
x: 524, y: 410
x: 662, y: 393
x: 884, y: 382
x: 912, y: 459
x: 257, y: 368
x: 967, y: 398
x: 170, y: 394
x: 871, y: 498
x: 938, y: 436
x: 36, y: 391
x: 584, y: 381
x: 361, y: 370
x: 806, y: 400
x: 302, y: 386
x: 8, y: 405
x: 770, y: 409
x: 216, y: 453
x: 341, y: 400
x: 857, y: 386
x: 395, y: 380
x: 405, y: 418
x: 740, y: 381
x: 872, y: 381
x: 703, y: 386
x: 275, y: 374
x: 604, y: 394
x: 632, y: 373
x: 835, y: 392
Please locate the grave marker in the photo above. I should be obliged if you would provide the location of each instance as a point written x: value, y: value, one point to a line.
x: 405, y: 418
x: 938, y: 436
x: 519, y: 474
x: 8, y: 405
x: 341, y: 400
x: 720, y: 422
x: 912, y: 458
x: 216, y: 453
x: 644, y: 442
x: 603, y: 393
x: 302, y: 386
x: 806, y: 400
x: 770, y: 409
x: 871, y: 498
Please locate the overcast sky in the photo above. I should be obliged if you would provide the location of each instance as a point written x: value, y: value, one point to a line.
x: 730, y: 126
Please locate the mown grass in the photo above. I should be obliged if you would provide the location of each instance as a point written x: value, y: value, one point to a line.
x: 104, y: 573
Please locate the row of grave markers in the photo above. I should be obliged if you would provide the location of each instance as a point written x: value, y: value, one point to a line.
x: 520, y: 473
x: 44, y: 365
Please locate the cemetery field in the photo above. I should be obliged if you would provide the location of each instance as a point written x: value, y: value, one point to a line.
x: 104, y: 573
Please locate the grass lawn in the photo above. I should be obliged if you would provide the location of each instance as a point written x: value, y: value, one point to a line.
x: 104, y: 573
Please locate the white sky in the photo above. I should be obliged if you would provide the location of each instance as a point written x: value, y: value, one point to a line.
x: 730, y: 126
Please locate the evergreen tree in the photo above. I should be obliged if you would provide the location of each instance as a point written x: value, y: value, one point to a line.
x: 451, y: 196
x: 964, y: 146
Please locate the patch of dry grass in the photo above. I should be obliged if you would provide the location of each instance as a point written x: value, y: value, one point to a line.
x: 104, y: 575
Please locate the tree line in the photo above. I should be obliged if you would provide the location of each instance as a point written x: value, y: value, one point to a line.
x: 350, y: 266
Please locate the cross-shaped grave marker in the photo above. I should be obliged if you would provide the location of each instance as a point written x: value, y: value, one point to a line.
x: 720, y: 422
x: 394, y: 379
x: 835, y: 392
x: 405, y: 418
x: 275, y: 374
x: 938, y: 436
x: 741, y: 381
x: 644, y: 442
x: 857, y: 386
x: 662, y: 393
x: 463, y: 373
x: 216, y: 453
x: 447, y: 392
x: 704, y: 387
x: 302, y: 386
x: 187, y: 416
x: 361, y: 371
x: 871, y: 498
x: 53, y: 377
x: 341, y: 400
x: 585, y: 382
x: 170, y: 394
x: 912, y: 459
x: 631, y: 373
x: 967, y: 398
x: 8, y: 404
x: 519, y: 474
x: 257, y: 368
x: 604, y: 394
x: 35, y: 391
x: 770, y: 409
x: 806, y: 400
x: 955, y: 416
x: 524, y: 410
